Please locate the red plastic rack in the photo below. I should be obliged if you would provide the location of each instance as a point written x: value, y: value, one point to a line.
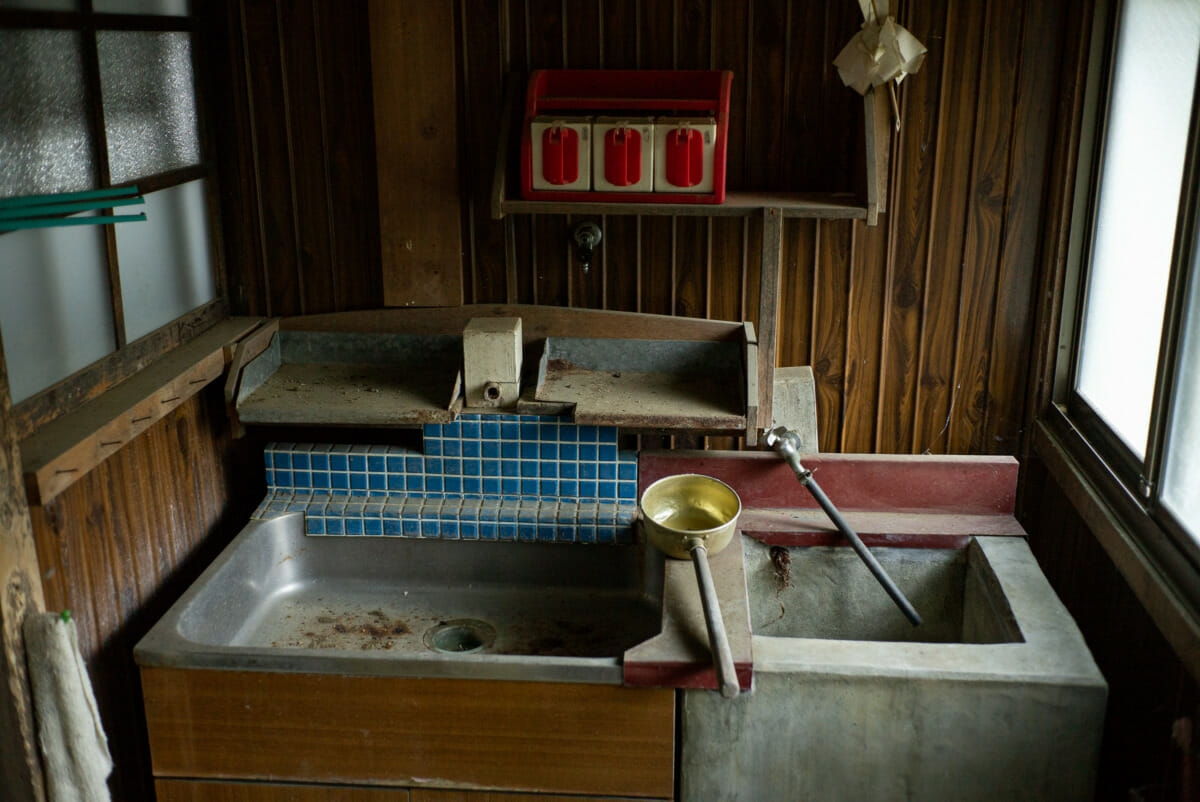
x: 650, y: 92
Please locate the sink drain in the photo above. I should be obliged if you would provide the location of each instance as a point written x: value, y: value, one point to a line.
x: 461, y: 636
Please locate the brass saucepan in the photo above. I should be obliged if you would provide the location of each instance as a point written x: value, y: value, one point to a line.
x: 689, y: 516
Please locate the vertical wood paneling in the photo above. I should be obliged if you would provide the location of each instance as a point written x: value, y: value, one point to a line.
x: 307, y: 146
x: 343, y: 56
x: 920, y: 340
x: 295, y: 132
x: 830, y: 302
x: 481, y: 63
x: 1149, y: 689
x: 985, y: 221
x: 936, y: 399
x: 1043, y: 32
x: 270, y: 118
x: 864, y: 337
x: 119, y: 546
x: 909, y: 226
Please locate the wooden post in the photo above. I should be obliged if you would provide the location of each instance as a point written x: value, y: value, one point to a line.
x: 412, y: 69
x: 20, y: 593
x: 768, y: 311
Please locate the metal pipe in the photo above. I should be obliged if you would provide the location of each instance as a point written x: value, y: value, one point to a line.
x: 718, y: 639
x: 787, y: 443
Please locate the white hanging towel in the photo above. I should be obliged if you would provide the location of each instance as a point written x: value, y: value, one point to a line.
x: 74, y: 749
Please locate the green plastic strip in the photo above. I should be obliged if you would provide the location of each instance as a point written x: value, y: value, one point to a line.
x: 23, y: 212
x: 66, y: 197
x: 53, y: 222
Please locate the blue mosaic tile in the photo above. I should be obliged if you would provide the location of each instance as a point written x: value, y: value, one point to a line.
x: 581, y: 487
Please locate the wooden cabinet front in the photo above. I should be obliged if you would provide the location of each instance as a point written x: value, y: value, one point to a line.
x: 523, y: 736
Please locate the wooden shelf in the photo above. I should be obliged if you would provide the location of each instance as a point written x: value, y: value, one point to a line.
x: 737, y: 204
x: 348, y: 379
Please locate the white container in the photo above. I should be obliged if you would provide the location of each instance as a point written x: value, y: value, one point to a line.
x: 492, y: 355
x: 562, y: 153
x: 683, y: 154
x: 623, y: 154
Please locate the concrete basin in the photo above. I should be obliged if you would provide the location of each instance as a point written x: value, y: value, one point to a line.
x: 278, y: 600
x: 995, y: 697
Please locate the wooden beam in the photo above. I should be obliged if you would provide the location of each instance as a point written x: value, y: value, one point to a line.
x: 877, y: 117
x: 537, y: 322
x: 768, y: 311
x: 416, y: 135
x: 64, y: 451
x: 20, y: 593
x: 246, y: 349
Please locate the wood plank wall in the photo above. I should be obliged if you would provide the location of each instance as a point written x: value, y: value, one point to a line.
x: 1148, y: 688
x: 291, y: 98
x: 918, y: 330
x: 119, y: 547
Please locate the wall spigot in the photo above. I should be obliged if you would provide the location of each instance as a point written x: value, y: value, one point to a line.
x: 587, y: 238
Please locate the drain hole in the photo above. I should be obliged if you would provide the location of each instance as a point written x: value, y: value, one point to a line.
x: 461, y: 636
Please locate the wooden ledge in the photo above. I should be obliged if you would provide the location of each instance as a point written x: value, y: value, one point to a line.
x: 62, y: 452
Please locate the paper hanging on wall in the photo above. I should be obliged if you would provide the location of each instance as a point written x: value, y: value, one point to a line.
x: 878, y: 53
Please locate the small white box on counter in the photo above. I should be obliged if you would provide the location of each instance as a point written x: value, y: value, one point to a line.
x: 683, y: 154
x: 562, y: 153
x: 623, y: 154
x: 492, y: 356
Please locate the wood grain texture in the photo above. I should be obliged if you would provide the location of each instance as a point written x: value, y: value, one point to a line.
x: 206, y: 791
x: 436, y: 795
x: 119, y: 546
x: 20, y: 594
x: 416, y: 138
x: 1149, y: 687
x: 585, y: 739
x: 61, y: 453
x: 970, y: 167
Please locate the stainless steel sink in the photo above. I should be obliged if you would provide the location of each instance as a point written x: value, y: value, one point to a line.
x: 278, y: 600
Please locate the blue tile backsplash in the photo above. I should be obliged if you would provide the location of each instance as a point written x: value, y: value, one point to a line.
x: 486, y: 477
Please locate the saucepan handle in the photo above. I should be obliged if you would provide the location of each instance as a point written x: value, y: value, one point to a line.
x: 717, y: 638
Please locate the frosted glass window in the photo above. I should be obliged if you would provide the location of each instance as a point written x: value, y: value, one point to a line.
x: 45, y: 145
x: 149, y: 102
x: 55, y: 312
x: 166, y: 262
x: 1181, y: 472
x: 171, y: 7
x: 1142, y: 166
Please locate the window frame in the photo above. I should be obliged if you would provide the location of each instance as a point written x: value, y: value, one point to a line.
x: 128, y: 357
x: 1128, y: 486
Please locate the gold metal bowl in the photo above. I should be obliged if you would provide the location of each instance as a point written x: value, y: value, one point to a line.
x: 679, y: 509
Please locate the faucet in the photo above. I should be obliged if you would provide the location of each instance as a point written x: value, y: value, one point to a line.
x: 788, y: 444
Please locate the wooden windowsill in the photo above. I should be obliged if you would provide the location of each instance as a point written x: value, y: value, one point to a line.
x: 60, y: 453
x: 1176, y: 616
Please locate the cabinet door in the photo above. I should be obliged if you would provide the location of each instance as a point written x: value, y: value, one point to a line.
x: 204, y: 791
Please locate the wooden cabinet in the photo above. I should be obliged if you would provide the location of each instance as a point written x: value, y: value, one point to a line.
x: 210, y: 791
x: 581, y: 739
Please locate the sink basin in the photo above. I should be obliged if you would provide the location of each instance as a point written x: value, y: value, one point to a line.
x: 995, y: 697
x: 278, y: 600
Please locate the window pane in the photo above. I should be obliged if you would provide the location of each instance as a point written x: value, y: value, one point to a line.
x: 149, y: 102
x: 173, y: 7
x: 55, y: 312
x: 45, y: 145
x: 1181, y: 473
x: 1154, y: 77
x: 165, y: 263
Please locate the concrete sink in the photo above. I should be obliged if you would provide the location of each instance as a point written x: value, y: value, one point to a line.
x: 278, y: 600
x: 994, y: 697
